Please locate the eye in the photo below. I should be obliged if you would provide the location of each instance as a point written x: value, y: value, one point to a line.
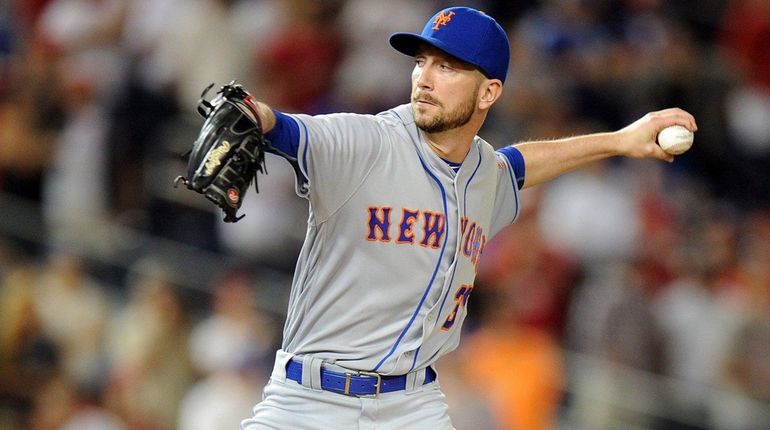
x: 445, y: 67
x: 419, y: 61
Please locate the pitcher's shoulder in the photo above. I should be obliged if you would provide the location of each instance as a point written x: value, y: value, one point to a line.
x: 484, y: 146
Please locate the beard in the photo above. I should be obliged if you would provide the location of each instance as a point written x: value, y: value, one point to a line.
x: 444, y: 120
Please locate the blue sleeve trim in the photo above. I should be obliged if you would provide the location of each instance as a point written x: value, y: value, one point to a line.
x: 516, y: 160
x: 285, y: 135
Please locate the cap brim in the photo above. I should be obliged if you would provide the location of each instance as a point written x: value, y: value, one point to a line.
x: 407, y: 43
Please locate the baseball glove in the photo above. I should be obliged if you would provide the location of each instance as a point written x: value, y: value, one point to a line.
x: 229, y: 150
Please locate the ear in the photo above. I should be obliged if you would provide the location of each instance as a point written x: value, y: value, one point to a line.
x: 489, y: 91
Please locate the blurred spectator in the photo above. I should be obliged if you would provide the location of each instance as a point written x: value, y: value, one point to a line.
x: 698, y: 312
x: 81, y: 24
x: 516, y: 368
x: 611, y: 318
x: 747, y: 372
x: 73, y: 310
x: 754, y: 264
x: 570, y: 43
x: 745, y: 401
x: 91, y: 28
x: 142, y: 106
x: 298, y: 62
x: 61, y: 406
x: 28, y: 357
x: 592, y: 214
x: 76, y: 201
x: 230, y: 349
x: 221, y: 400
x: 143, y: 28
x: 745, y: 30
x: 662, y: 203
x: 149, y: 363
x: 745, y: 37
x: 236, y: 334
x: 202, y: 45
x: 30, y: 112
x: 24, y: 147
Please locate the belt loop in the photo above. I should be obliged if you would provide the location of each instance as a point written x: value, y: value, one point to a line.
x: 279, y: 369
x: 311, y: 372
x: 415, y: 381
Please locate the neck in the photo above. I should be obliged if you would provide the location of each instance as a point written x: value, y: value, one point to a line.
x: 448, y: 147
x: 453, y: 145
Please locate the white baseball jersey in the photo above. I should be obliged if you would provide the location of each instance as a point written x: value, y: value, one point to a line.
x: 393, y: 241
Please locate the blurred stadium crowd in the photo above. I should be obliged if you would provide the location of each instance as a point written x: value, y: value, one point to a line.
x: 631, y: 294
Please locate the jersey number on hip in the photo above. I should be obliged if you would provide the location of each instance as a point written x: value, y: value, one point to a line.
x: 461, y: 299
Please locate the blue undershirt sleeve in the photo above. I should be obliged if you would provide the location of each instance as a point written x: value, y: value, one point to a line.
x: 516, y: 161
x: 285, y: 135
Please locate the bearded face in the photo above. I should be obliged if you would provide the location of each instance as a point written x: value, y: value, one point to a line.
x: 445, y: 90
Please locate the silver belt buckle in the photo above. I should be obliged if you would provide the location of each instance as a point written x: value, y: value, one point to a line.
x: 377, y: 385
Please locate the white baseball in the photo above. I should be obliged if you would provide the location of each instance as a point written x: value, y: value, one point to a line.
x: 675, y: 139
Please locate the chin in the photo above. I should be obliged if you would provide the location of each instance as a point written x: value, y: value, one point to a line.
x: 422, y: 123
x: 421, y: 115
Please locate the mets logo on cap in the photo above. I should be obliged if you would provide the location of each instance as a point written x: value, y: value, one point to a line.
x: 442, y: 18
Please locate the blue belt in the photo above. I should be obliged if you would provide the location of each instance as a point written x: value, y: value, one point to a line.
x: 358, y: 384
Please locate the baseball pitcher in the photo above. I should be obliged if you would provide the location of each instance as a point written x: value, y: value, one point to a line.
x: 401, y: 206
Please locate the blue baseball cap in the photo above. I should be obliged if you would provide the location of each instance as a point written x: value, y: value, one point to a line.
x: 466, y: 34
